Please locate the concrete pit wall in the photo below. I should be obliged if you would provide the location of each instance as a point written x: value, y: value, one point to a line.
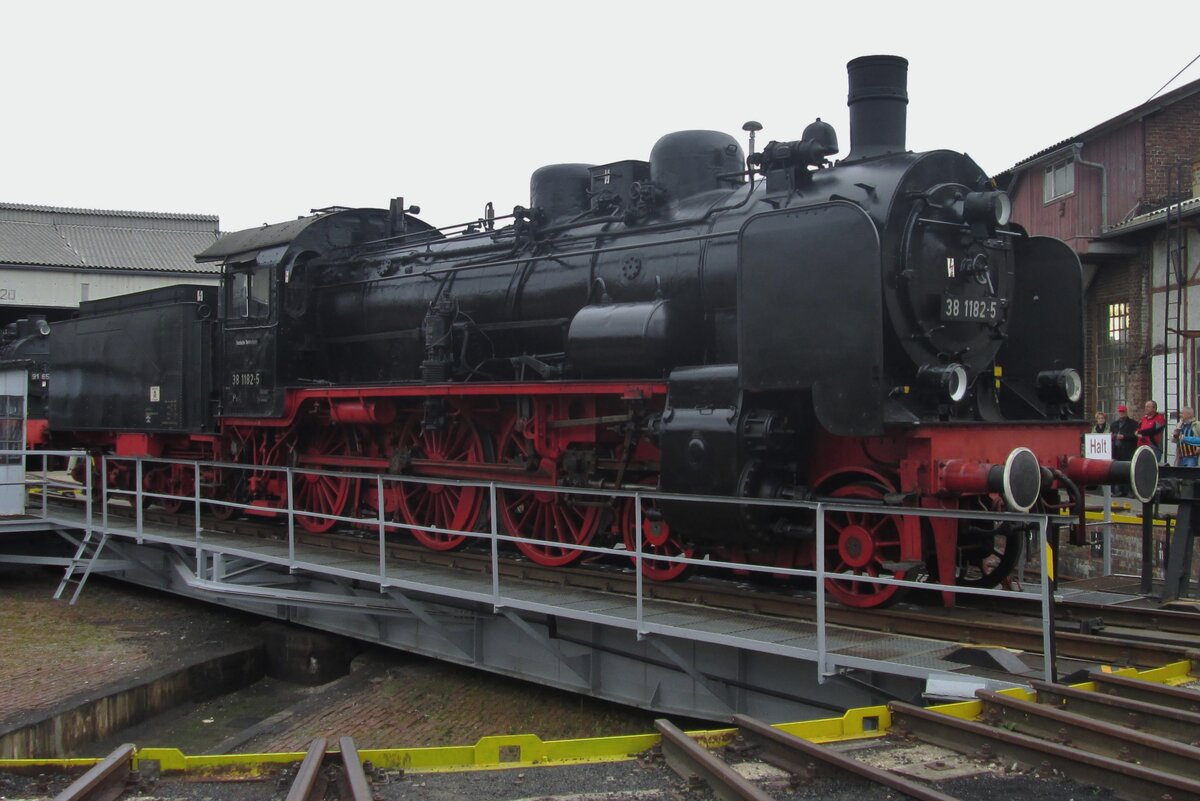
x: 74, y: 725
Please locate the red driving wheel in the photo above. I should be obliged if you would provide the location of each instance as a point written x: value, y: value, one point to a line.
x: 321, y: 493
x: 553, y: 519
x: 864, y: 543
x: 445, y: 506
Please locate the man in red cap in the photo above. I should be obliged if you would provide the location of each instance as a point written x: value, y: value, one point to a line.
x: 1124, y: 434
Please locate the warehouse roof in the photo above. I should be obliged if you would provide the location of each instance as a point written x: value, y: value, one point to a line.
x: 97, y: 239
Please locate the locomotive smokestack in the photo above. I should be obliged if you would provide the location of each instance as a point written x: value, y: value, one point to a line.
x: 878, y: 97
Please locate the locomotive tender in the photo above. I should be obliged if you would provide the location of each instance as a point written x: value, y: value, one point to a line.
x: 870, y: 330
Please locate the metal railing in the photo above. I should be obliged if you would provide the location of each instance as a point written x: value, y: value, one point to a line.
x: 385, y: 528
x: 43, y: 481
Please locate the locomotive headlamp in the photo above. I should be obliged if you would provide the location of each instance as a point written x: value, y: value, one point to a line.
x: 986, y: 208
x: 1059, y: 386
x: 945, y: 381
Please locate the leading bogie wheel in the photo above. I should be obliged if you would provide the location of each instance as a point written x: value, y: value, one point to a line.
x: 863, y: 542
x: 658, y: 540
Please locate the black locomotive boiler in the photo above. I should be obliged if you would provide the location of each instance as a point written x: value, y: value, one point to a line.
x: 872, y: 329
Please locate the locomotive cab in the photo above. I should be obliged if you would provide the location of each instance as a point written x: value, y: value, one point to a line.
x: 265, y: 301
x: 249, y: 330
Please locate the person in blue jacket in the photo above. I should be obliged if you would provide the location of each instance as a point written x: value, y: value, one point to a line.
x: 1186, y: 435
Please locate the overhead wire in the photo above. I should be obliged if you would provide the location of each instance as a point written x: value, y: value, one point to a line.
x: 1173, y: 77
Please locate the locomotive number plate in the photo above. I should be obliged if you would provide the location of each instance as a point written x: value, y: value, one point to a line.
x: 982, y: 310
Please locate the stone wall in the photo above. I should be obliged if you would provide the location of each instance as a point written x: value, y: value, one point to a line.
x: 1083, y: 562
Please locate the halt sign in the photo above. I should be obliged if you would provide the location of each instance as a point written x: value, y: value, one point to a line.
x: 1097, y: 446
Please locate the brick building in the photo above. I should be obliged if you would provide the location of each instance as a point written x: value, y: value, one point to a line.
x: 1123, y: 195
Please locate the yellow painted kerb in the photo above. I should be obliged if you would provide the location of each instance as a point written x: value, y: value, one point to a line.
x: 517, y: 751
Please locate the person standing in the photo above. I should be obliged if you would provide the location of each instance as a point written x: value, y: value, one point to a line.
x: 1101, y: 424
x: 1124, y: 434
x: 1187, y: 454
x: 1150, y: 430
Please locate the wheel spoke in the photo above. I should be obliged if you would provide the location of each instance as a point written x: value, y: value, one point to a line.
x: 859, y: 542
x: 317, y: 494
x: 445, y: 507
x: 548, y: 519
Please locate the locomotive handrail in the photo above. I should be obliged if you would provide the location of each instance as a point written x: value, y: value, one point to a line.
x: 507, y: 262
x: 828, y: 664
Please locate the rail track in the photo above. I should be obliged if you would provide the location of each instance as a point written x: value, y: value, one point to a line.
x: 1094, y: 739
x: 1141, y: 637
x: 1138, y: 740
x: 323, y: 775
x: 1135, y: 739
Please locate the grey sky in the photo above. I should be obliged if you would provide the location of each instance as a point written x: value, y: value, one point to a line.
x: 259, y: 111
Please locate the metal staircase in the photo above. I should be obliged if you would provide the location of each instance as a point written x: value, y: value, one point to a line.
x: 81, y: 564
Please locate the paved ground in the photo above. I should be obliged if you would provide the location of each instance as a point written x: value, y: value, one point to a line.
x: 53, y: 652
x: 390, y: 701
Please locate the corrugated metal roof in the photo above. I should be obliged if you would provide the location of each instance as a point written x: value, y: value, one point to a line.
x: 82, y: 238
x: 146, y: 215
x: 22, y: 243
x: 1186, y: 209
x: 126, y: 247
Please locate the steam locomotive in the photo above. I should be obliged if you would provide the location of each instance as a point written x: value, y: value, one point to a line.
x: 871, y: 330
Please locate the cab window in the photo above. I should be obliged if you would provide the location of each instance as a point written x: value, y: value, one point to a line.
x: 250, y: 294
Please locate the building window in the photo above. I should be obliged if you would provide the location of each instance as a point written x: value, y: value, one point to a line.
x: 12, y: 427
x: 1059, y: 181
x: 1111, y: 372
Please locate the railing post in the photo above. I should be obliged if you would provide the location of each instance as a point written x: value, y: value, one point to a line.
x: 291, y: 519
x: 1047, y: 559
x: 45, y: 482
x: 87, y: 488
x: 495, y: 532
x: 382, y: 531
x: 822, y: 653
x: 137, y: 495
x: 196, y: 497
x: 1107, y: 535
x: 103, y: 488
x: 637, y: 556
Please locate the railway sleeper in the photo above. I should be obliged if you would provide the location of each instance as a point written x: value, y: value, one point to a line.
x: 1130, y: 781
